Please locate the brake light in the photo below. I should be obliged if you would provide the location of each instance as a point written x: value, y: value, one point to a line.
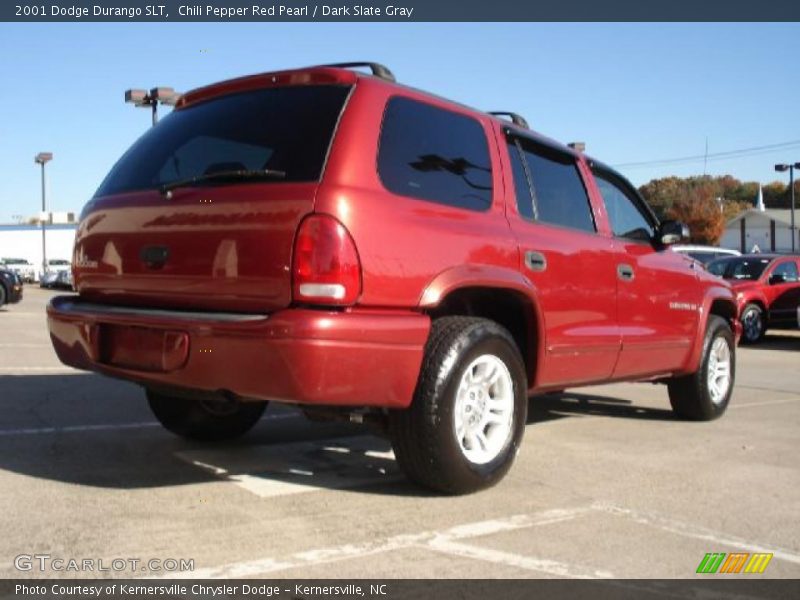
x: 326, y: 269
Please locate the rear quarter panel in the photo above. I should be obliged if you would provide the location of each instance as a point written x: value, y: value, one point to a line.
x: 403, y: 242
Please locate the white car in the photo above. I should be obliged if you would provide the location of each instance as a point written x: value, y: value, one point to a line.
x: 56, y: 275
x: 20, y: 266
x: 705, y: 254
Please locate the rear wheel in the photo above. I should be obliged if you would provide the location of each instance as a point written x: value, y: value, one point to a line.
x: 704, y: 395
x: 3, y: 294
x: 466, y: 422
x: 754, y: 324
x: 205, y: 420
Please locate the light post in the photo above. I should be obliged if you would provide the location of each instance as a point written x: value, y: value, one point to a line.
x: 789, y: 167
x: 156, y: 96
x: 42, y: 159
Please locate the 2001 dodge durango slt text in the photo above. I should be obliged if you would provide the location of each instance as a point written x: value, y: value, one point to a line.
x: 336, y: 240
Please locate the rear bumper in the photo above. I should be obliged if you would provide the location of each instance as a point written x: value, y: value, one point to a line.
x: 359, y: 358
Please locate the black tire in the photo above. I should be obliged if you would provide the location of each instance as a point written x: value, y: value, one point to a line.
x: 690, y: 396
x: 3, y: 294
x: 424, y: 435
x: 203, y: 420
x: 754, y: 324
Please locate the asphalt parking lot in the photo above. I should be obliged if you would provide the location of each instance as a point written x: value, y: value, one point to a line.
x: 608, y: 483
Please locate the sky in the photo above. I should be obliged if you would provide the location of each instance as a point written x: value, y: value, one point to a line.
x: 633, y: 92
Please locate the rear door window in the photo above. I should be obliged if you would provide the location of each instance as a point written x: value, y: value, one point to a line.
x: 434, y: 154
x: 282, y: 129
x: 559, y: 196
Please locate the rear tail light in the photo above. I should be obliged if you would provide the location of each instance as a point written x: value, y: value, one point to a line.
x: 326, y: 269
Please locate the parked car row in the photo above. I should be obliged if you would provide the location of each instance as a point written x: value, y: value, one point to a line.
x: 58, y: 273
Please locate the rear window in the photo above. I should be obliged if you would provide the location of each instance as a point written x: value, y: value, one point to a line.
x: 434, y: 154
x: 282, y: 129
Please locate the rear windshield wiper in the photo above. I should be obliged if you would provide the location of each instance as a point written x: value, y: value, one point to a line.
x: 234, y: 174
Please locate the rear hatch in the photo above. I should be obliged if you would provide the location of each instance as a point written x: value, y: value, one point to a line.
x: 201, y: 212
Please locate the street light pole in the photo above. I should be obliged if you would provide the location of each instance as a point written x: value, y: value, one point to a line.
x: 42, y: 159
x: 790, y: 168
x: 156, y: 96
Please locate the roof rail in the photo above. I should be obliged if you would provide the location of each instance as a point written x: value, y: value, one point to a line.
x: 378, y: 70
x: 515, y: 118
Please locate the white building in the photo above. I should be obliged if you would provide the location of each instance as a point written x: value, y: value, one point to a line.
x: 768, y: 229
x: 25, y: 241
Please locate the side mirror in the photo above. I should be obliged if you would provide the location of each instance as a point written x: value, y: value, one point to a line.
x: 671, y: 232
x: 777, y: 278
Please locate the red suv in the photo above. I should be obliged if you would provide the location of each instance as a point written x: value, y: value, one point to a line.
x: 335, y: 240
x: 767, y: 288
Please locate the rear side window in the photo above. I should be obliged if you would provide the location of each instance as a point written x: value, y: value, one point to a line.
x: 558, y: 192
x: 434, y: 154
x: 282, y: 129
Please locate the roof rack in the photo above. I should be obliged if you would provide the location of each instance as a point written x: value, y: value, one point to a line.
x: 515, y: 118
x: 378, y: 70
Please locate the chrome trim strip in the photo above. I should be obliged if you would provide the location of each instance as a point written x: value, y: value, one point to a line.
x: 123, y: 311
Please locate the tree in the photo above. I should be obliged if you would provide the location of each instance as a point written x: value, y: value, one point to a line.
x: 735, y: 196
x: 701, y: 212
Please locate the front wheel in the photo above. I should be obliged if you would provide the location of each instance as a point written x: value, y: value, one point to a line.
x: 704, y: 395
x: 205, y: 420
x: 466, y: 422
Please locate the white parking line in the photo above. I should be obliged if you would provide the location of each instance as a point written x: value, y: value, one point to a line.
x: 26, y: 345
x: 53, y: 369
x: 697, y: 532
x: 764, y: 403
x: 519, y: 561
x: 76, y: 428
x: 434, y: 540
x: 110, y: 426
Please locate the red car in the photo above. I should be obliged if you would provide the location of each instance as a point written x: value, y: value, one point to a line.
x: 335, y: 240
x: 767, y: 288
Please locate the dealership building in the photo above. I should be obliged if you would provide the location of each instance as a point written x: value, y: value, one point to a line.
x: 25, y: 241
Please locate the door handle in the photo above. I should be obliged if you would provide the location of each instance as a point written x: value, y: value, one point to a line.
x: 535, y: 261
x: 625, y: 272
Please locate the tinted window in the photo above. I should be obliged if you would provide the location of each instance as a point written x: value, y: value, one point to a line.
x: 627, y: 221
x: 703, y: 257
x: 717, y: 267
x: 522, y: 188
x: 285, y: 129
x: 558, y: 191
x: 788, y: 270
x: 434, y: 154
x: 746, y: 268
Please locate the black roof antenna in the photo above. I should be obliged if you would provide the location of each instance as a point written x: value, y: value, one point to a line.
x: 378, y: 70
x: 515, y: 118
